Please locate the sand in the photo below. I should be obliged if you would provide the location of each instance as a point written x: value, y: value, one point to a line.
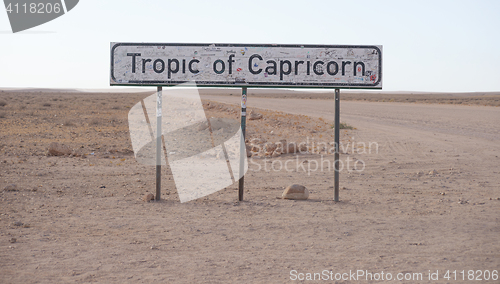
x: 426, y: 199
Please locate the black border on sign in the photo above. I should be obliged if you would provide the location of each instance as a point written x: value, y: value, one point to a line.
x: 249, y: 84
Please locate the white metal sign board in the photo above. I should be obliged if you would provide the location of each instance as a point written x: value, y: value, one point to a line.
x: 247, y: 65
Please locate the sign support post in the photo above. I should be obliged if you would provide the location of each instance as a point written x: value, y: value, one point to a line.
x: 242, y: 144
x: 158, y: 142
x: 337, y: 142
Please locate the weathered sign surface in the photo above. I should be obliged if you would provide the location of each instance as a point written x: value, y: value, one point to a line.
x: 247, y: 65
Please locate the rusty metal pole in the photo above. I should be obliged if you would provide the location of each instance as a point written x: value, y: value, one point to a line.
x: 337, y: 142
x: 243, y: 149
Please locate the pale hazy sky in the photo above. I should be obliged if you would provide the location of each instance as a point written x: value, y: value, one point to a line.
x: 427, y: 45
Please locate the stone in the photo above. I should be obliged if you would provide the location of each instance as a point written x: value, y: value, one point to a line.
x: 217, y: 125
x: 257, y: 141
x: 10, y: 187
x: 269, y: 148
x: 255, y: 148
x: 302, y: 147
x: 148, y: 197
x: 56, y: 149
x: 281, y: 146
x: 276, y: 153
x: 220, y: 155
x: 433, y: 173
x: 224, y: 124
x: 291, y: 148
x: 203, y: 126
x: 249, y: 150
x: 254, y: 115
x: 296, y: 191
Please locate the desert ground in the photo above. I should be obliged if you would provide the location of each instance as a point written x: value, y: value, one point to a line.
x: 419, y: 193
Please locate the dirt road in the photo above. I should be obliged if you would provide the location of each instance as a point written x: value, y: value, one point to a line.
x: 418, y: 130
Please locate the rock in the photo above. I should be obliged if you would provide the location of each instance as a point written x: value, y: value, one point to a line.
x: 255, y: 148
x: 254, y: 115
x: 220, y: 155
x: 276, y: 153
x: 257, y: 141
x: 281, y: 146
x: 296, y: 191
x: 18, y: 224
x: 56, y: 149
x: 203, y: 126
x: 291, y: 147
x: 220, y: 123
x: 249, y: 150
x: 269, y: 148
x: 10, y: 187
x: 13, y: 240
x: 433, y: 173
x: 148, y: 197
x: 302, y: 147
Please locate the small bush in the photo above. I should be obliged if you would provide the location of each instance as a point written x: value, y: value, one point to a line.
x: 47, y: 105
x: 3, y: 103
x: 344, y: 125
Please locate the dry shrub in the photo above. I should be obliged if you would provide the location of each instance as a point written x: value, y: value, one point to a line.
x: 344, y: 125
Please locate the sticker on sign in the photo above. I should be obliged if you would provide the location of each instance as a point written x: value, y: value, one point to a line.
x: 247, y: 65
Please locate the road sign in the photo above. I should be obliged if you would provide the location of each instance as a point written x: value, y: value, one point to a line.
x: 247, y: 65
